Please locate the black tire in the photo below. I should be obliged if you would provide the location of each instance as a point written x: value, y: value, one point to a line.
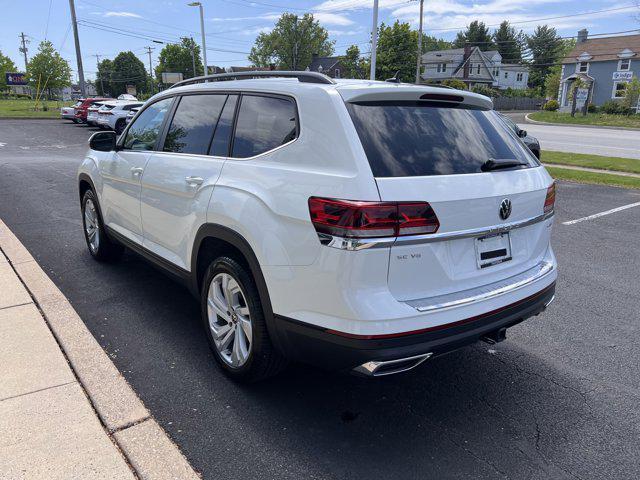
x: 120, y: 124
x: 104, y: 250
x: 264, y: 360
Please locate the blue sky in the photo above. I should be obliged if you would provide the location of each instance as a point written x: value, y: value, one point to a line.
x: 232, y: 25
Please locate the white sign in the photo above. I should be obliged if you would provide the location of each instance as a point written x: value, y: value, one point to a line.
x: 622, y: 75
x: 581, y: 96
x: 168, y: 77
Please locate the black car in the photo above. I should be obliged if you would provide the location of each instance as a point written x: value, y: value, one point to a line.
x: 531, y: 142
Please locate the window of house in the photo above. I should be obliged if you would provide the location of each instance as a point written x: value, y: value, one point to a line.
x: 496, y: 72
x: 478, y: 69
x: 619, y: 89
x: 263, y: 124
x: 624, y: 65
x: 193, y: 124
x: 582, y: 67
x: 506, y: 74
x: 442, y: 68
x: 337, y: 73
x: 519, y: 76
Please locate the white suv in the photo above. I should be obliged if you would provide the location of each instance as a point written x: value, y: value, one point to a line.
x: 357, y: 225
x: 112, y: 115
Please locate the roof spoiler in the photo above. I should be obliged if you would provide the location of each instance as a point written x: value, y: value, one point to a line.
x: 306, y: 77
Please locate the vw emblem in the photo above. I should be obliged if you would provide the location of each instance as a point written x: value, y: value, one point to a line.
x: 505, y: 209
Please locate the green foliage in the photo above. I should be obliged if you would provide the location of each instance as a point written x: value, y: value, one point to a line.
x: 430, y: 44
x: 632, y: 94
x: 127, y: 69
x: 6, y: 65
x: 47, y: 69
x: 552, y: 82
x: 613, y: 107
x: 509, y: 43
x: 291, y: 44
x: 103, y: 76
x: 397, y: 51
x: 546, y: 50
x: 520, y: 92
x: 486, y: 91
x: 178, y: 58
x: 476, y: 34
x: 354, y: 65
x: 551, y: 106
x: 455, y: 83
x: 591, y: 108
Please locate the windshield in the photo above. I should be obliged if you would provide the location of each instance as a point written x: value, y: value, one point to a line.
x: 430, y: 138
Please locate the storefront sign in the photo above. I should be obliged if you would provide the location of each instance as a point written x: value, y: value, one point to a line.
x: 622, y: 75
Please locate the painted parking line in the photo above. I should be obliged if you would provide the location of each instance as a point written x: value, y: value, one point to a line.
x: 602, y: 214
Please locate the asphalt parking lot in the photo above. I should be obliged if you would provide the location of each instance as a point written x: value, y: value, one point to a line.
x: 559, y: 399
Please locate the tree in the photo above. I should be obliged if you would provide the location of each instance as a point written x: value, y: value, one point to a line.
x: 632, y: 94
x: 431, y: 44
x: 177, y: 58
x: 476, y: 34
x: 552, y: 84
x: 292, y: 43
x: 397, y: 50
x: 509, y: 43
x: 455, y: 83
x: 354, y: 65
x: 47, y: 69
x: 6, y: 65
x: 546, y: 50
x: 103, y: 77
x: 127, y: 69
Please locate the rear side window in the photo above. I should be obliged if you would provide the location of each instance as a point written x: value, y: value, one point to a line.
x: 144, y: 131
x: 222, y: 136
x: 193, y: 124
x: 403, y: 139
x: 263, y: 124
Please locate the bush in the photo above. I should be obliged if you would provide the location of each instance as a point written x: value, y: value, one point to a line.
x: 611, y: 107
x: 455, y: 83
x: 486, y: 91
x: 551, y: 106
x: 591, y: 108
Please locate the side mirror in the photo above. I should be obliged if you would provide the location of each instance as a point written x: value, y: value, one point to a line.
x: 522, y: 133
x: 103, y: 141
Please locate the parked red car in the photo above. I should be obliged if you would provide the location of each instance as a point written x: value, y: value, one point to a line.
x: 81, y: 110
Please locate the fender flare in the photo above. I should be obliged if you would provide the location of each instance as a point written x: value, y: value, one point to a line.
x: 220, y: 232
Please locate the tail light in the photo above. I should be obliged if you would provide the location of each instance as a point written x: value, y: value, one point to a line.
x: 353, y: 219
x: 550, y: 200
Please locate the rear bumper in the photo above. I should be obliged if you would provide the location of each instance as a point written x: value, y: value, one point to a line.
x: 344, y: 351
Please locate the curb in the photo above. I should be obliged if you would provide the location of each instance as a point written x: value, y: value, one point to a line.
x: 606, y: 127
x: 147, y: 448
x: 32, y: 118
x: 592, y: 170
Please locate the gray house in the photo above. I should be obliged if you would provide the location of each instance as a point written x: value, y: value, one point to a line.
x: 605, y: 64
x: 331, y: 66
x: 474, y: 67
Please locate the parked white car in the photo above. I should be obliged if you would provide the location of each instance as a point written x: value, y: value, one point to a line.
x: 131, y: 114
x: 92, y: 114
x: 356, y: 225
x: 69, y: 113
x: 112, y: 115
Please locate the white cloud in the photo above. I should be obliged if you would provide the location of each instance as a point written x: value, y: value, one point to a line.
x: 266, y: 16
x: 122, y: 14
x: 332, y: 18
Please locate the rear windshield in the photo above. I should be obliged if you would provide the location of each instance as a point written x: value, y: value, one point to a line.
x: 404, y: 139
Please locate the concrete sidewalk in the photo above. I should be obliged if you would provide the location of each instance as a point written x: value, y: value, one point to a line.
x: 65, y: 410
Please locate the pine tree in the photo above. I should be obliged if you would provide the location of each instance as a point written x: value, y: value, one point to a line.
x: 509, y: 43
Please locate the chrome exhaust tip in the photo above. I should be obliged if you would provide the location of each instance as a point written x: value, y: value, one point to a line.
x: 389, y: 367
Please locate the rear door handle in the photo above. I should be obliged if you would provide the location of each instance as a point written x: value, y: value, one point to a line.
x: 137, y: 170
x: 194, y: 180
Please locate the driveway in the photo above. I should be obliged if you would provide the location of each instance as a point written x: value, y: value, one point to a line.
x: 559, y: 399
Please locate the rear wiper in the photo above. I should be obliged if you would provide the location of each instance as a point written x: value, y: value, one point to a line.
x: 498, y: 164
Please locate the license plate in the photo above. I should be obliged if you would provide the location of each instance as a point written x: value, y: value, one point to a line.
x: 493, y: 249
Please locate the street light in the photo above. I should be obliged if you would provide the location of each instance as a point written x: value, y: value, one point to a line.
x: 204, y: 43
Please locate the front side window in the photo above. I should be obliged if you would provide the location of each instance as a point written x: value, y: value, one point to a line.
x: 222, y: 135
x: 193, y: 124
x: 263, y: 124
x: 619, y: 89
x: 404, y: 139
x: 143, y: 133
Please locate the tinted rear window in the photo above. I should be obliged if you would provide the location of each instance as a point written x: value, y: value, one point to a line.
x: 403, y: 139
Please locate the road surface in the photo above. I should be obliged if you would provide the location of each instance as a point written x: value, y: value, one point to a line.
x: 558, y: 399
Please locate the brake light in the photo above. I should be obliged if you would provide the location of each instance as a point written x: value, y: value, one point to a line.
x: 354, y: 219
x: 550, y: 200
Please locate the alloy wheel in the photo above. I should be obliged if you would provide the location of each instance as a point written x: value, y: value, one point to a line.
x: 229, y: 320
x: 91, y: 225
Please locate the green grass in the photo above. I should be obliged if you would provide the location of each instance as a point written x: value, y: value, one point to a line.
x: 602, y: 119
x: 592, y: 161
x: 590, y: 177
x: 25, y: 109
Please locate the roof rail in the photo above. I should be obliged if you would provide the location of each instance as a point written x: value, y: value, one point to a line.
x: 308, y: 77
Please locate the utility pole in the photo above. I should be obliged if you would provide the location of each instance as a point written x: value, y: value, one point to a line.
x: 419, y: 44
x: 99, y: 73
x: 74, y: 23
x: 204, y: 42
x: 23, y: 49
x: 374, y: 40
x: 149, y: 50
